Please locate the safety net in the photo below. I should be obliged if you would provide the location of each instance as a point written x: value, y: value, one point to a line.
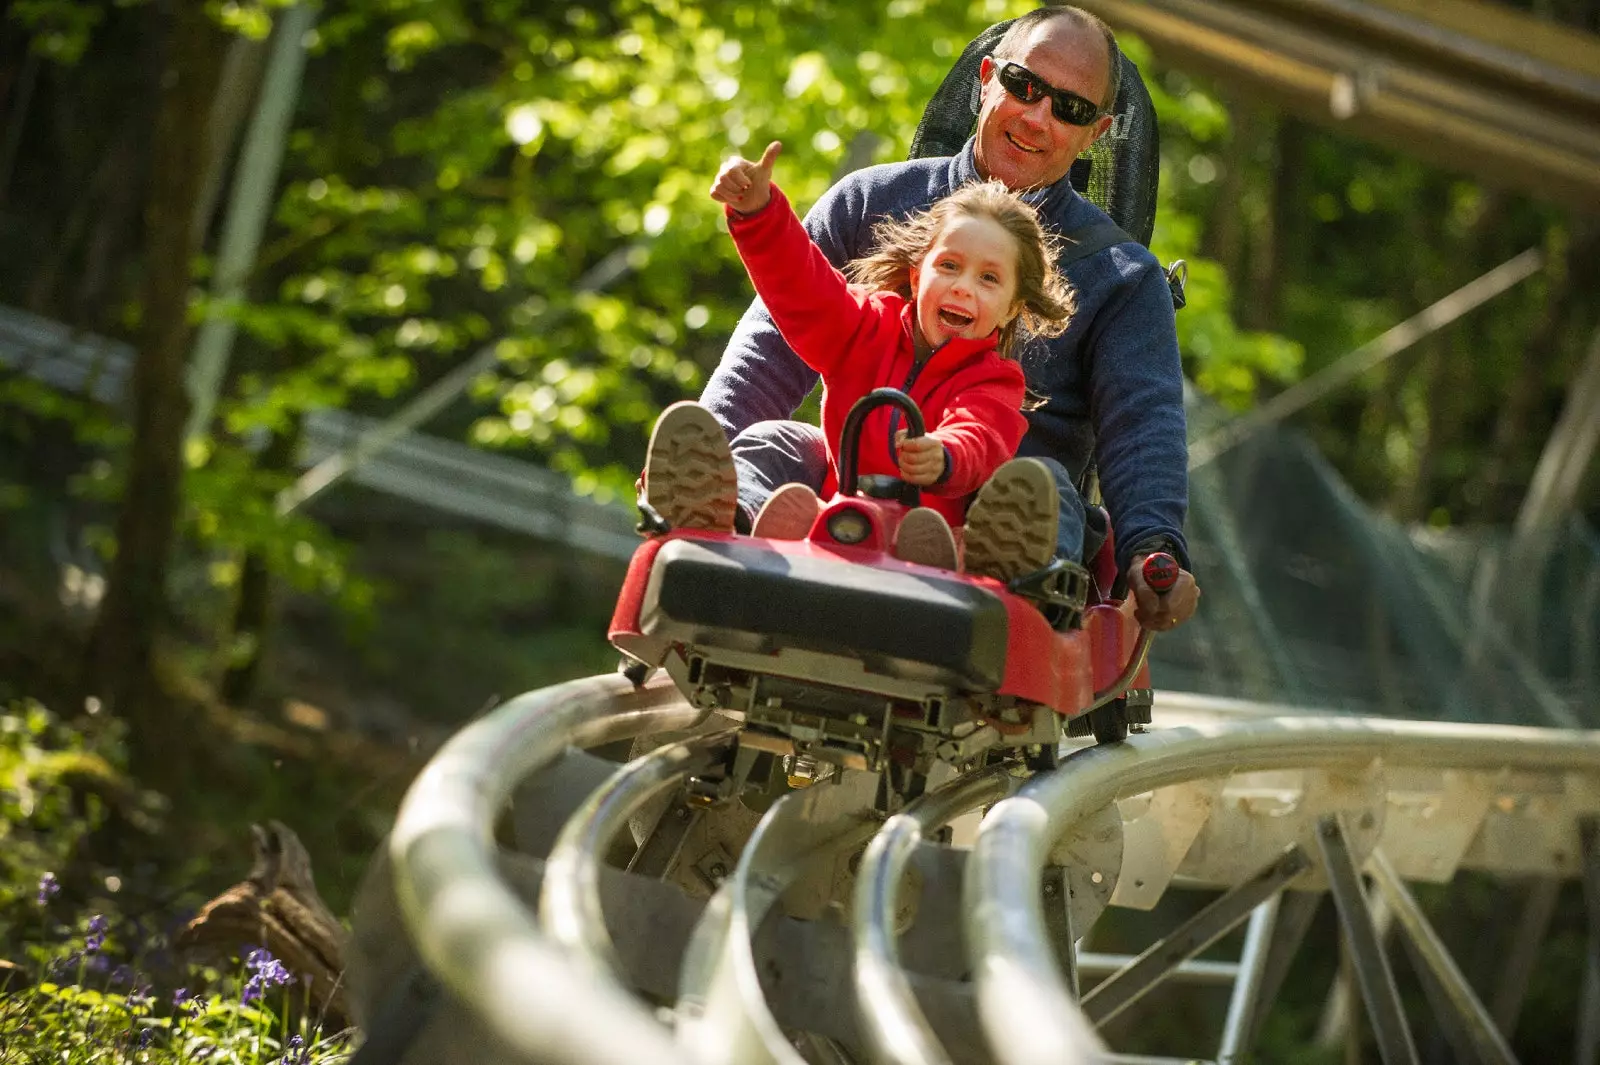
x: 1312, y: 598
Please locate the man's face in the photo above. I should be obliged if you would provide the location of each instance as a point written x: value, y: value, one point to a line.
x: 1024, y: 145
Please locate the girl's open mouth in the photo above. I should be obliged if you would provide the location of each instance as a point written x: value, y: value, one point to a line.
x: 954, y: 319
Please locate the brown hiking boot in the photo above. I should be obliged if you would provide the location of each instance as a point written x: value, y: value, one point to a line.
x: 924, y: 537
x: 1011, y: 526
x: 688, y: 470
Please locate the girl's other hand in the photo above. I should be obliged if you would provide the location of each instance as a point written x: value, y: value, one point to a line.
x: 921, y: 458
x: 746, y: 186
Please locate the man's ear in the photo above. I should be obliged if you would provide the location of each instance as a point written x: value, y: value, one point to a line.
x: 986, y: 67
x: 1101, y: 125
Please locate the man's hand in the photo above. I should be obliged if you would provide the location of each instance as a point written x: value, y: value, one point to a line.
x: 1160, y: 613
x: 746, y: 186
x: 921, y: 458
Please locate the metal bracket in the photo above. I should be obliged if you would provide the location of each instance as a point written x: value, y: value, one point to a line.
x: 1055, y: 895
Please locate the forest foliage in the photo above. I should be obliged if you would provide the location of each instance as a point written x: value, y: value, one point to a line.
x: 531, y: 180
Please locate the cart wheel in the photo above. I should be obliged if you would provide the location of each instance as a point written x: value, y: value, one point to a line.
x: 1110, y: 722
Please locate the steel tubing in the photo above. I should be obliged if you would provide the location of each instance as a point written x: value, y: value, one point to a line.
x: 724, y: 1018
x: 1364, y: 945
x: 1471, y: 1018
x: 469, y: 927
x: 569, y: 901
x: 1207, y: 973
x: 1238, y: 1027
x: 1131, y: 983
x: 892, y: 1020
x: 1016, y: 971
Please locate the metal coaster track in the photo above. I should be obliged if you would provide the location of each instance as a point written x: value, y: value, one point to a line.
x: 815, y: 931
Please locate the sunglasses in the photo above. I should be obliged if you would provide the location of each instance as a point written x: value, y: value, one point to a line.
x: 1028, y: 87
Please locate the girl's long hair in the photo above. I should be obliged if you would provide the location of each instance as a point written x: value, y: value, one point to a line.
x: 1046, y: 298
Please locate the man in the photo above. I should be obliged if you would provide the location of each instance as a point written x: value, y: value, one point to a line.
x: 1112, y: 383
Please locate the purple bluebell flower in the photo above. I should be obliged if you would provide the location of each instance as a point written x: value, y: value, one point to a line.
x: 122, y: 974
x: 97, y: 934
x: 296, y: 1052
x: 49, y: 888
x: 186, y: 1004
x: 266, y: 972
x: 145, y: 1036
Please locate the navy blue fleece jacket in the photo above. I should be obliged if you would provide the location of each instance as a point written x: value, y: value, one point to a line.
x: 1112, y: 383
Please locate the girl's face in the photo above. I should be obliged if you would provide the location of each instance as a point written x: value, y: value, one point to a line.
x: 966, y: 284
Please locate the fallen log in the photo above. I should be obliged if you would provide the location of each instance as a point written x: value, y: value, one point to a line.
x: 277, y: 907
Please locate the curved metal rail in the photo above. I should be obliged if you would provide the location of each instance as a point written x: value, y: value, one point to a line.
x: 1172, y: 801
x: 894, y: 1022
x: 724, y: 1016
x: 468, y: 925
x: 570, y: 910
x: 1017, y: 971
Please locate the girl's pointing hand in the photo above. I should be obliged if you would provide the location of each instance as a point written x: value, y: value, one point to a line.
x: 746, y: 186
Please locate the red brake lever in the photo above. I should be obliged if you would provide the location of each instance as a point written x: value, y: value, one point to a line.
x: 1160, y: 572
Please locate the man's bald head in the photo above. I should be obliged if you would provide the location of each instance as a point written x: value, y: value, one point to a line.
x: 1020, y: 139
x: 1021, y: 29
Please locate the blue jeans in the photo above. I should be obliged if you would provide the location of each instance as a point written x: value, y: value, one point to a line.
x: 770, y: 454
x: 773, y: 453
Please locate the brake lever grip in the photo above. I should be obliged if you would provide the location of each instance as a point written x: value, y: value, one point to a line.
x: 1160, y: 572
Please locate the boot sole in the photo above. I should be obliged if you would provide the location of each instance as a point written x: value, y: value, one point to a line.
x: 925, y: 539
x: 690, y: 478
x: 1011, y: 527
x: 788, y: 514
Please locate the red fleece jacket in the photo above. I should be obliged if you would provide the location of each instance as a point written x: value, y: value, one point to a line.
x: 971, y: 398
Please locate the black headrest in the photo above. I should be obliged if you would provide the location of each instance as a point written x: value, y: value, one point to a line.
x: 1119, y: 174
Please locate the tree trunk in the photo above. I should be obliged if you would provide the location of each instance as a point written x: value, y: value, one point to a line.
x: 120, y: 665
x: 115, y: 201
x: 253, y: 610
x: 1449, y: 368
x: 1514, y: 450
x: 1385, y: 405
x: 1283, y: 251
x: 252, y: 613
x: 1224, y: 233
x: 1264, y: 243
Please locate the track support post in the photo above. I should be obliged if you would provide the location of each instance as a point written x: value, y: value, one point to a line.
x: 1373, y: 974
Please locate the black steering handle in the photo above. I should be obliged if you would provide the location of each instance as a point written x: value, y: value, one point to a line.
x: 850, y: 436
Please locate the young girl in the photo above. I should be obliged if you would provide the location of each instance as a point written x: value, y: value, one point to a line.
x: 934, y: 312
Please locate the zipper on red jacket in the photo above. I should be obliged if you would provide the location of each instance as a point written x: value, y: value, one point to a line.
x: 894, y: 413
